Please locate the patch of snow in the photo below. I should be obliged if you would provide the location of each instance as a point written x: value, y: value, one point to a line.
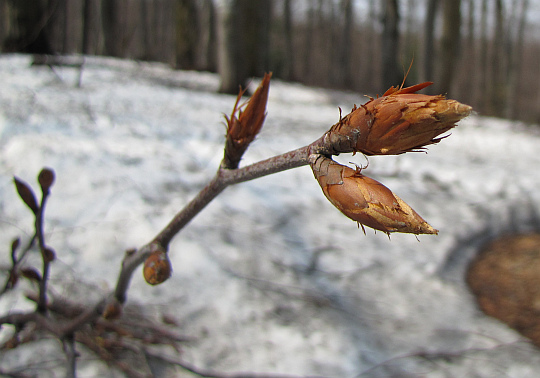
x: 270, y: 277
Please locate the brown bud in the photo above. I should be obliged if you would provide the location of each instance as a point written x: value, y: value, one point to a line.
x: 46, y: 179
x: 27, y: 194
x: 31, y: 274
x: 365, y: 200
x: 48, y: 254
x: 113, y: 310
x: 242, y: 130
x: 157, y: 267
x: 398, y: 122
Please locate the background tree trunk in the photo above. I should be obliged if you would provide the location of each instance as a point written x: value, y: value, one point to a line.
x: 231, y: 64
x: 243, y: 42
x: 92, y: 34
x: 450, y: 43
x: 429, y: 41
x: 345, y: 45
x: 27, y: 30
x: 187, y: 30
x: 497, y: 81
x: 391, y: 72
x: 481, y: 85
x: 206, y: 55
x: 514, y: 64
x: 288, y: 56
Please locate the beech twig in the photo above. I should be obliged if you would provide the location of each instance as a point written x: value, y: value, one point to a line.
x: 378, y: 127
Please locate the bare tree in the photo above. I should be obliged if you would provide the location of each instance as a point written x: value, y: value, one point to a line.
x: 345, y: 44
x: 26, y: 29
x: 243, y: 41
x: 429, y: 40
x: 231, y: 65
x: 92, y: 33
x: 288, y: 53
x: 497, y: 63
x: 206, y: 56
x: 482, y: 83
x: 187, y: 31
x: 514, y: 64
x: 450, y: 40
x: 391, y: 72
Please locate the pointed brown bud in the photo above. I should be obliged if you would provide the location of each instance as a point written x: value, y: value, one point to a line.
x: 157, y: 267
x: 398, y: 122
x: 113, y: 310
x: 365, y: 200
x: 242, y: 130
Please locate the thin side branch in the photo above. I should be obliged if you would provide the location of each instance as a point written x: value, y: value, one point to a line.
x: 222, y: 179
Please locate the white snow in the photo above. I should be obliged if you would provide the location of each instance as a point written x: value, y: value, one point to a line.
x: 270, y: 277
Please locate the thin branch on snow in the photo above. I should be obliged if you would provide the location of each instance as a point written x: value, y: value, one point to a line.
x: 222, y: 179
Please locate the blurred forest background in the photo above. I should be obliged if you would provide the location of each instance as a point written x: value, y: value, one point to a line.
x: 482, y: 52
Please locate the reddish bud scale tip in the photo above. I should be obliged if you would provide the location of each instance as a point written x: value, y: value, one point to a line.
x: 157, y: 268
x: 242, y: 129
x: 398, y: 122
x: 365, y: 200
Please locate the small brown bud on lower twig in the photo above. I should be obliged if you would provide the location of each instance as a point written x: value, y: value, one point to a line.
x: 399, y: 121
x: 157, y: 267
x: 113, y: 310
x: 365, y: 200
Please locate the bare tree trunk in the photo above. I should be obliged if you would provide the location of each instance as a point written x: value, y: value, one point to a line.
x: 110, y: 17
x: 371, y: 73
x: 231, y: 64
x: 309, y: 42
x: 255, y: 28
x: 288, y: 61
x: 345, y: 45
x: 206, y: 56
x: 498, y: 88
x: 514, y: 67
x: 429, y: 41
x: 243, y: 41
x: 450, y: 41
x: 73, y: 31
x: 390, y: 45
x: 187, y: 30
x: 91, y: 27
x: 482, y: 87
x: 27, y: 31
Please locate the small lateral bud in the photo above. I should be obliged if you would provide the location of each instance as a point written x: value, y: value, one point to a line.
x: 365, y: 200
x: 157, y: 267
x: 113, y: 310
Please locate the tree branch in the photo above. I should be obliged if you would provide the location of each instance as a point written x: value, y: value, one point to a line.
x: 222, y: 179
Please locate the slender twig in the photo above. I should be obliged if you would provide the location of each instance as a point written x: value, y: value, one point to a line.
x: 68, y: 343
x: 222, y: 179
x: 19, y: 319
x: 17, y: 260
x: 207, y: 373
x: 42, y: 303
x: 226, y: 177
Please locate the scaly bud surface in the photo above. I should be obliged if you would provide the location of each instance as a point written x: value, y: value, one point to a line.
x: 242, y: 129
x: 365, y: 200
x: 400, y: 121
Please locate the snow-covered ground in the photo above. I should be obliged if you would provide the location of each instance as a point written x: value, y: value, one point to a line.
x: 270, y: 277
